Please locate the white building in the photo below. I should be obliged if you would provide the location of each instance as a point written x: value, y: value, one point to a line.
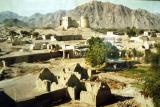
x: 146, y: 33
x: 112, y: 38
x: 53, y: 38
x: 46, y: 37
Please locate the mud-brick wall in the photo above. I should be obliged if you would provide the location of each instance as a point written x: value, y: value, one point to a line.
x: 43, y: 57
x: 31, y: 58
x: 95, y: 99
x: 46, y: 100
x: 61, y: 95
x: 27, y: 103
x: 68, y: 37
x: 103, y: 97
x: 88, y: 97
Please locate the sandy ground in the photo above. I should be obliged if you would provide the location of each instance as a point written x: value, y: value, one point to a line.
x: 129, y: 90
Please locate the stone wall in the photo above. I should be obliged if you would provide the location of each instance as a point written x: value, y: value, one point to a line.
x: 31, y: 58
x: 103, y: 96
x: 96, y: 93
x: 72, y: 93
x: 88, y: 97
x: 45, y: 99
x: 68, y: 37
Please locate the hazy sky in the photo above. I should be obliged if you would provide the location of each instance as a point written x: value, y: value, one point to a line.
x: 29, y: 7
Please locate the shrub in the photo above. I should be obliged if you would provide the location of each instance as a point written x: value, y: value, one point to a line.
x: 152, y: 80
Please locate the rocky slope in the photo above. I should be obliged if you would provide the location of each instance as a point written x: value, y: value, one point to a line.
x: 108, y: 15
x: 101, y: 15
x: 8, y: 15
x: 14, y: 22
x: 47, y: 20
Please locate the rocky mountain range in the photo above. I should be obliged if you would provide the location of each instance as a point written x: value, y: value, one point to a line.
x: 100, y: 14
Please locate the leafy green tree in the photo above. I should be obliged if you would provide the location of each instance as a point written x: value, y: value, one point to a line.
x: 12, y: 33
x: 153, y: 35
x: 139, y: 55
x: 134, y: 51
x: 103, y: 30
x: 152, y: 80
x: 25, y: 33
x: 35, y: 34
x: 139, y: 31
x: 123, y: 53
x: 113, y: 52
x: 148, y: 55
x: 94, y: 40
x: 131, y: 32
x: 97, y: 51
x: 129, y: 53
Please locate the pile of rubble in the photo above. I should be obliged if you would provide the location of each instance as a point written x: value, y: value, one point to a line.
x: 128, y: 103
x: 113, y: 84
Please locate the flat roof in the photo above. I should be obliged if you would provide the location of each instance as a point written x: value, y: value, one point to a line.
x: 21, y: 88
x: 17, y: 54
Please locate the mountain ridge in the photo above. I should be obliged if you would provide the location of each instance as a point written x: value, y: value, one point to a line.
x: 100, y: 14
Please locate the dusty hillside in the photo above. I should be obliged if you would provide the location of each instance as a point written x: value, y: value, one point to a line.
x: 101, y: 15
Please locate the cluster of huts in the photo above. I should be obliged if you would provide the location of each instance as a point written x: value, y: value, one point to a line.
x: 75, y: 81
x: 50, y: 87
